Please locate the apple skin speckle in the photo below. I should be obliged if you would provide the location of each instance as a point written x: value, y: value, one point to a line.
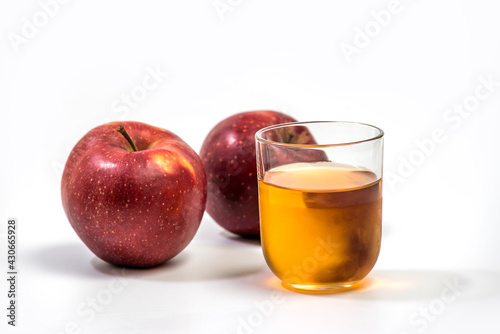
x: 135, y: 209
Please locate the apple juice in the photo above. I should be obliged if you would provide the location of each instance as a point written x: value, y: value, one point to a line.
x: 320, y: 223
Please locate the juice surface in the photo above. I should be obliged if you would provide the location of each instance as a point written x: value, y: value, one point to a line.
x: 320, y: 222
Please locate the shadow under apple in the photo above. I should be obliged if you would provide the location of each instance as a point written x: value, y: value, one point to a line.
x: 67, y: 259
x: 249, y: 240
x: 199, y: 262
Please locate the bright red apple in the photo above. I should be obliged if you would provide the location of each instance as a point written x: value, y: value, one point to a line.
x: 228, y: 154
x: 135, y: 207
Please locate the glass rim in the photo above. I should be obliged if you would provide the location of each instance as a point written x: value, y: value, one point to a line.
x: 258, y: 134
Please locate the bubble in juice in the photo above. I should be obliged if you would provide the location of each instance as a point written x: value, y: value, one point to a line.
x: 320, y: 223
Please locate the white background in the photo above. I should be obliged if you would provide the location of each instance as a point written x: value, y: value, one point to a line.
x: 441, y: 217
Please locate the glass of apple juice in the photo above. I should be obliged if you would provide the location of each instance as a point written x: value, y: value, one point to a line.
x: 320, y: 202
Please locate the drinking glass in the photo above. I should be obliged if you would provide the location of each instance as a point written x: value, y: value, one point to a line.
x: 320, y: 202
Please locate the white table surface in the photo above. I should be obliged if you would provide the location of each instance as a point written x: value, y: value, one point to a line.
x: 439, y: 267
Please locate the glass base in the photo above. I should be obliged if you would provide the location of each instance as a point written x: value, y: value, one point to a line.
x: 322, y: 288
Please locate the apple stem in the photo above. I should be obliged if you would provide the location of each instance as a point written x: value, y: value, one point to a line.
x: 286, y: 137
x: 121, y: 129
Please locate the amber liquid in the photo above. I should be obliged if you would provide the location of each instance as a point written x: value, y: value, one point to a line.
x: 320, y: 223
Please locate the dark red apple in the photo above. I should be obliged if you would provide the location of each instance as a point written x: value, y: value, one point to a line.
x: 134, y: 208
x: 228, y: 154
